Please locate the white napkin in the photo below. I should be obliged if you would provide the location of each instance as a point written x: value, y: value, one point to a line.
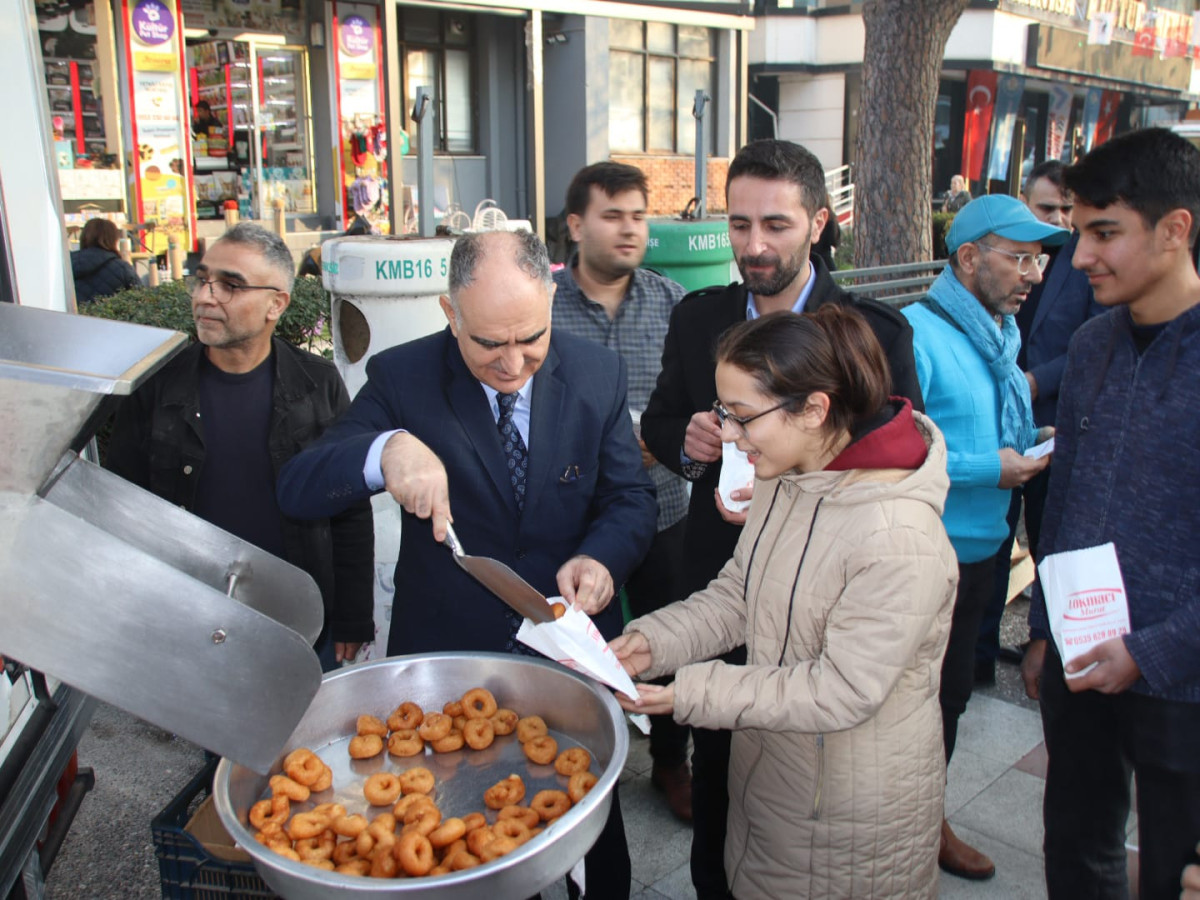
x: 1085, y: 599
x: 575, y: 642
x: 736, y: 472
x: 1037, y: 451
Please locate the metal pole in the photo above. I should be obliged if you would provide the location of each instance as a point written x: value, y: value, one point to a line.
x: 424, y: 162
x: 698, y: 108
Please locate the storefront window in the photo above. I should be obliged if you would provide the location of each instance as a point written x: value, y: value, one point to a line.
x: 655, y: 70
x: 436, y: 49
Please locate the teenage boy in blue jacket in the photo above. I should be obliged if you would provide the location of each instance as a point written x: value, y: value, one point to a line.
x: 1127, y: 470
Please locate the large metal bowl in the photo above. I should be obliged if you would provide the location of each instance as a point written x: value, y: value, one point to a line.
x: 578, y: 711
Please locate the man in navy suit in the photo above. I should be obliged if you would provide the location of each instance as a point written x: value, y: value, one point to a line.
x: 1056, y: 307
x: 572, y: 511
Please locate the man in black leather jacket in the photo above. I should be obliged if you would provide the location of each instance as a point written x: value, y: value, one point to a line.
x: 211, y: 430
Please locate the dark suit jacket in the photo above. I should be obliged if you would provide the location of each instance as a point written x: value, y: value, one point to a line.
x: 587, y: 492
x: 1066, y: 303
x: 687, y: 385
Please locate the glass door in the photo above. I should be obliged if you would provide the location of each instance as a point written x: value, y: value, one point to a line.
x: 283, y: 144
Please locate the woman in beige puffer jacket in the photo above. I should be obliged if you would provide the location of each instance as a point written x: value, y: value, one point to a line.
x: 841, y: 587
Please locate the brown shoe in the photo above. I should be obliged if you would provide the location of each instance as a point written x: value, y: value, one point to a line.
x: 962, y: 859
x: 676, y: 783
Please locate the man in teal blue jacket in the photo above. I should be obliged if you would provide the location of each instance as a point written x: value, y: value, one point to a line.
x: 965, y: 340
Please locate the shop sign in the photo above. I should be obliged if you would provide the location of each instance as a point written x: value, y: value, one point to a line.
x: 1063, y: 50
x: 358, y: 37
x: 1057, y: 7
x: 153, y: 23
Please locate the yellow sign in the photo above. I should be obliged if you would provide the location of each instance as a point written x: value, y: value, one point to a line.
x: 358, y: 70
x: 155, y: 62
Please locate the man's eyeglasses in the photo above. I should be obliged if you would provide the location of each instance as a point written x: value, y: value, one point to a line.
x: 1026, y: 262
x: 222, y: 291
x: 742, y: 421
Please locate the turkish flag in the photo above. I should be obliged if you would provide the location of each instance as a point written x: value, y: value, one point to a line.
x: 1143, y: 42
x: 981, y: 100
x: 1107, y: 123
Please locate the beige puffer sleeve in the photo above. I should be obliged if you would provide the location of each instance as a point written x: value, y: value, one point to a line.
x: 899, y: 583
x: 712, y: 621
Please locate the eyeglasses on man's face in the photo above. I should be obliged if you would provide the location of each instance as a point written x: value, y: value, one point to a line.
x: 1026, y: 262
x: 740, y: 422
x: 223, y: 290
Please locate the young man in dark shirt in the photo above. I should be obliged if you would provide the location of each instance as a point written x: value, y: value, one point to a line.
x: 1127, y: 471
x: 211, y: 430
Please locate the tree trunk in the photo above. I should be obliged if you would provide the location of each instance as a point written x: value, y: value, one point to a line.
x: 905, y: 40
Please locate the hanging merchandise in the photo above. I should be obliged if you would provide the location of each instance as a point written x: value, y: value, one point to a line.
x: 362, y: 129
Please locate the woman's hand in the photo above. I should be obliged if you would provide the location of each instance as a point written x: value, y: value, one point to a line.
x: 632, y: 651
x: 653, y: 700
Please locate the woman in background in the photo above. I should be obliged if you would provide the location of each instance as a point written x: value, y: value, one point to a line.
x: 841, y: 587
x: 97, y: 267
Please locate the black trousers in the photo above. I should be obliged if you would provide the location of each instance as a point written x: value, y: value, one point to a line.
x: 975, y: 583
x: 1033, y: 492
x: 710, y: 804
x: 653, y: 585
x: 1094, y: 742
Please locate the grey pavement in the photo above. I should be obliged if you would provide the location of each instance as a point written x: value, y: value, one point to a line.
x: 993, y: 800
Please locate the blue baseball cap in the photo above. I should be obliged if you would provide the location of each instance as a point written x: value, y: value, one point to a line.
x: 1004, y: 216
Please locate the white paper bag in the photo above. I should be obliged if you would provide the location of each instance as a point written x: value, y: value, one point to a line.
x: 1085, y: 599
x: 575, y: 642
x: 736, y: 473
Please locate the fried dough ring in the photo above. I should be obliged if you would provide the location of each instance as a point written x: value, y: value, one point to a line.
x: 514, y: 829
x: 474, y: 820
x: 306, y: 825
x: 272, y: 811
x: 496, y: 848
x: 550, y: 804
x: 479, y: 734
x: 293, y: 790
x: 422, y: 819
x: 350, y: 826
x: 371, y: 725
x: 382, y: 788
x: 541, y: 750
x: 324, y: 781
x: 463, y: 859
x: 418, y: 780
x: 406, y: 717
x: 504, y: 722
x: 478, y: 703
x: 451, y: 742
x: 408, y: 801
x: 453, y: 708
x: 531, y: 727
x: 579, y: 784
x: 505, y: 793
x: 414, y: 853
x: 479, y: 838
x: 405, y: 742
x: 303, y: 766
x: 365, y: 746
x: 447, y: 833
x: 435, y: 727
x: 523, y: 814
x: 572, y: 761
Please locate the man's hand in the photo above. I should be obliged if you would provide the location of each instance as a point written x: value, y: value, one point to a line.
x: 416, y: 478
x: 702, y: 440
x: 345, y: 651
x: 586, y: 583
x: 734, y: 518
x: 1031, y: 668
x: 1043, y: 434
x: 1115, y: 671
x: 647, y: 457
x: 1191, y: 881
x: 1032, y: 385
x: 1016, y: 469
x: 632, y: 651
x: 653, y: 700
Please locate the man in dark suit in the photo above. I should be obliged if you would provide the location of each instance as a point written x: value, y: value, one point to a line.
x: 775, y: 192
x: 519, y: 437
x: 1057, y: 306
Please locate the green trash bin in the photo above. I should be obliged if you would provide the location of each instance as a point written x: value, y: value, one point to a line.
x: 694, y: 252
